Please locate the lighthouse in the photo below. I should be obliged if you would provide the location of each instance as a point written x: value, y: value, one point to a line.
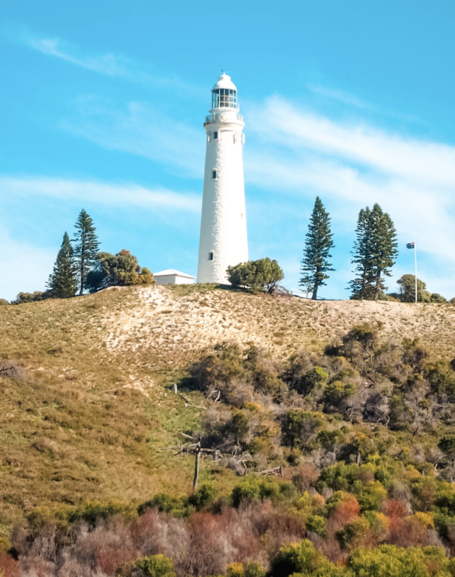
x: 223, y: 239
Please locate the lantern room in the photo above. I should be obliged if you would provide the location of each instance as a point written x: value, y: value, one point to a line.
x: 224, y: 93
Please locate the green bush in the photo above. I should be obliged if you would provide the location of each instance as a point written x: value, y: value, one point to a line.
x: 299, y: 558
x: 317, y: 524
x: 392, y: 561
x: 24, y: 298
x: 204, y: 496
x: 437, y: 298
x: 155, y: 566
x: 254, y: 489
x: 121, y: 269
x: 256, y: 275
x: 175, y: 506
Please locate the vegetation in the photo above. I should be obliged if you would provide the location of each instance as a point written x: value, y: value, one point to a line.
x: 86, y: 246
x: 121, y: 269
x: 341, y: 446
x: 23, y: 298
x: 316, y: 255
x: 375, y: 252
x: 256, y: 275
x: 62, y: 282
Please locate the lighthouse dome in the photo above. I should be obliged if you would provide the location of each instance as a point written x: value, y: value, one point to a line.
x: 224, y: 81
x: 224, y: 93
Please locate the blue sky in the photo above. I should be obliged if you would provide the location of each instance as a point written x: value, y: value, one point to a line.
x: 102, y: 105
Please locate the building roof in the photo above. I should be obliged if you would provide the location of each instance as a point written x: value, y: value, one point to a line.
x: 224, y: 81
x: 172, y: 272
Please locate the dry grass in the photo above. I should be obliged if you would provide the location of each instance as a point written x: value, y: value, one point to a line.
x: 95, y: 405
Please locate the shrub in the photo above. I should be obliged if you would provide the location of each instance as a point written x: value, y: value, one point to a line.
x: 175, y: 506
x: 24, y: 298
x: 257, y: 275
x: 300, y: 427
x: 317, y: 524
x: 354, y: 534
x: 298, y: 558
x: 371, y: 496
x: 253, y: 489
x: 121, y: 269
x: 156, y: 566
x: 8, y: 566
x: 437, y: 298
x: 392, y: 561
x: 204, y: 496
x: 3, y: 302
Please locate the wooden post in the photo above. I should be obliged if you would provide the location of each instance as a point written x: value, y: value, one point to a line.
x: 175, y: 388
x: 196, y: 467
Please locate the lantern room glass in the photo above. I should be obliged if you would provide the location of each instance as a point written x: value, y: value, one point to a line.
x: 224, y: 98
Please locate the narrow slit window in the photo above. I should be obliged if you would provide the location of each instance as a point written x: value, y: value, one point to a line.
x: 215, y: 135
x: 213, y: 173
x: 211, y: 255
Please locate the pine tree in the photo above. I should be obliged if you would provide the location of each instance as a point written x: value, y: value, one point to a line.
x: 375, y: 252
x: 86, y: 247
x: 62, y: 282
x: 384, y: 248
x: 315, y: 263
x: 362, y: 256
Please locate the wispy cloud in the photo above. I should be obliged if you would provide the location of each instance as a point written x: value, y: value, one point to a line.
x: 140, y: 129
x: 340, y: 96
x: 352, y: 165
x: 99, y: 192
x: 108, y: 63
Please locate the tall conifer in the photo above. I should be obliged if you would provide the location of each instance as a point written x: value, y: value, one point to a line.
x: 62, y: 281
x: 361, y: 285
x: 86, y: 247
x: 375, y: 252
x: 384, y: 248
x: 316, y: 254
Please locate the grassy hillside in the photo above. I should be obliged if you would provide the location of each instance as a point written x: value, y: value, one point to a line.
x: 88, y: 419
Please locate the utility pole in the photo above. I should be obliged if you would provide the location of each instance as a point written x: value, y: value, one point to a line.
x: 415, y: 260
x: 196, y: 467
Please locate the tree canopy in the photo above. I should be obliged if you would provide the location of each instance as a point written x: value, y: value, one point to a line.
x: 316, y: 254
x: 256, y: 275
x: 86, y: 247
x: 62, y: 281
x: 375, y: 252
x: 121, y: 269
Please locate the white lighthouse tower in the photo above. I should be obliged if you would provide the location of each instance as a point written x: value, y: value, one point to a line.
x: 223, y: 241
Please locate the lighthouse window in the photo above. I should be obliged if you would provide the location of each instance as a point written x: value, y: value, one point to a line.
x: 213, y: 173
x: 211, y: 255
x: 224, y: 97
x: 215, y: 135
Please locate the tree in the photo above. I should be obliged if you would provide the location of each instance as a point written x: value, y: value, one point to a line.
x: 315, y: 262
x: 156, y: 566
x: 437, y: 298
x: 121, y: 269
x: 383, y: 248
x: 407, y: 289
x: 375, y: 252
x: 24, y: 298
x: 257, y: 275
x: 62, y: 281
x: 86, y: 246
x: 361, y: 255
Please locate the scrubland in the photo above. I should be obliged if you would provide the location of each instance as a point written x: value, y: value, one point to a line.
x: 89, y: 414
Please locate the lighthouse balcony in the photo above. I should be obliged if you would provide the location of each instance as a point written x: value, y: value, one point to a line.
x: 223, y: 117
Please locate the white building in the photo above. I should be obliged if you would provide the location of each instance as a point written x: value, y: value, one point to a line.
x: 171, y: 276
x: 223, y: 240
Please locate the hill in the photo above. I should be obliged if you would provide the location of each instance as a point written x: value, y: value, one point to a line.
x: 94, y: 404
